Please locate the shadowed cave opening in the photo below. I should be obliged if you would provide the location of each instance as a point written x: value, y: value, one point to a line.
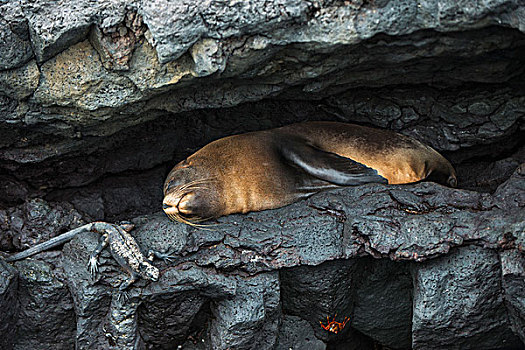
x: 469, y: 104
x: 122, y: 176
x: 118, y: 195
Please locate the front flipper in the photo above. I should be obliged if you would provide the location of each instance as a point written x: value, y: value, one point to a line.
x: 327, y: 166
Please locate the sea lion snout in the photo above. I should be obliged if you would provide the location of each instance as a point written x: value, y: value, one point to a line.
x: 170, y: 205
x: 190, y: 202
x: 186, y: 203
x: 179, y: 204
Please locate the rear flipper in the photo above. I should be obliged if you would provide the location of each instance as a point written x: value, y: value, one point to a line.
x: 448, y: 179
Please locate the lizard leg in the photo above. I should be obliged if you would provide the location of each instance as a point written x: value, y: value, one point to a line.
x: 164, y: 256
x: 93, y: 258
x: 122, y: 293
x: 125, y: 285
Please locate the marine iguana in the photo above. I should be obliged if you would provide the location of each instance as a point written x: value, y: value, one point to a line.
x: 122, y: 245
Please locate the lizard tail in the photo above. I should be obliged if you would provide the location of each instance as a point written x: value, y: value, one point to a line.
x: 53, y: 242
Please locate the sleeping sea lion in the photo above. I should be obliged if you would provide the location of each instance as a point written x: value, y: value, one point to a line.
x: 272, y: 168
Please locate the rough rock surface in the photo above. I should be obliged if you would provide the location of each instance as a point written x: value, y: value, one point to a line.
x: 233, y: 286
x: 513, y: 269
x: 446, y: 312
x: 98, y: 100
x: 35, y: 222
x: 297, y: 333
x: 252, y: 317
x: 46, y: 318
x: 8, y: 304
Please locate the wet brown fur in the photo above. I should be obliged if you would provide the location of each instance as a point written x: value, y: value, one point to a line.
x: 243, y: 173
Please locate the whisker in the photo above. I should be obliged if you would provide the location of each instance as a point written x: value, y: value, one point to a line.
x: 198, y: 182
x: 195, y: 187
x: 194, y: 222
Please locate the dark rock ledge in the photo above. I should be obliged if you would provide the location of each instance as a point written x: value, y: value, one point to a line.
x: 420, y: 266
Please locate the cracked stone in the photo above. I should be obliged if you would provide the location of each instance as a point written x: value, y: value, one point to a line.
x: 448, y: 314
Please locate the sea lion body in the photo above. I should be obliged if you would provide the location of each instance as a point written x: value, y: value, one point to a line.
x: 396, y: 157
x: 272, y: 168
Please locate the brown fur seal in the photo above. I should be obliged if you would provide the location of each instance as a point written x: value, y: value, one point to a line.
x: 272, y: 168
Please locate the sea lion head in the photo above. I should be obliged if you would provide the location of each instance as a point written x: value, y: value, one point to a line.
x: 189, y: 194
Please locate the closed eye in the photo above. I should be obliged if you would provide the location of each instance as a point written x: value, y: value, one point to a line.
x: 171, y: 185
